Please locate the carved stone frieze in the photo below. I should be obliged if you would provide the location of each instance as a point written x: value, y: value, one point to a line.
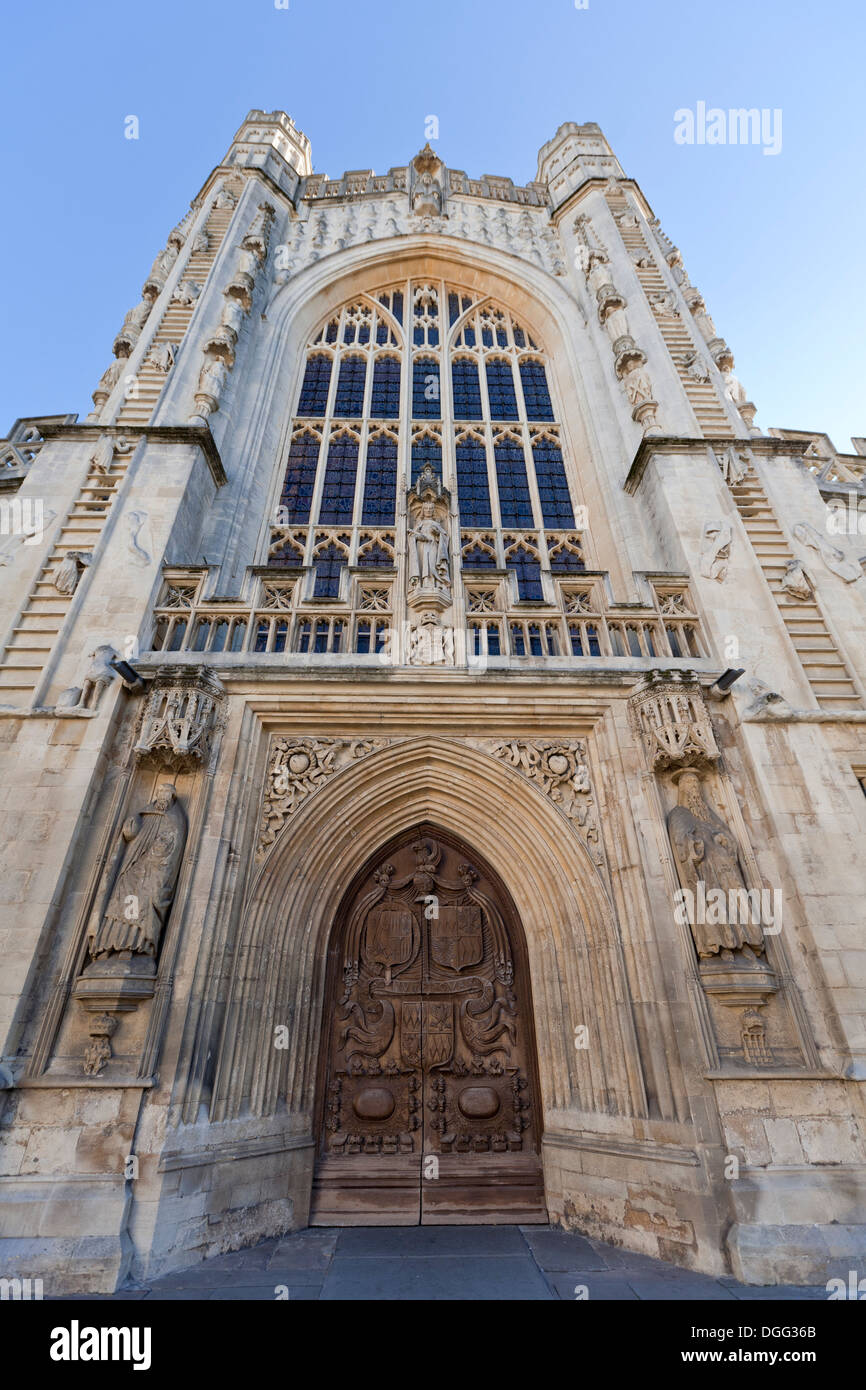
x: 429, y: 207
x: 179, y: 719
x: 669, y: 715
x: 298, y: 767
x: 559, y: 768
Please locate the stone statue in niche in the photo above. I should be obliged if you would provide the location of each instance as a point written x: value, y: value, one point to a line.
x: 708, y: 863
x: 429, y: 562
x: 429, y: 556
x: 716, y: 539
x: 70, y: 570
x: 142, y: 881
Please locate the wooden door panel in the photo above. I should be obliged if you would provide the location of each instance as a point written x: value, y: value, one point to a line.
x: 430, y: 1094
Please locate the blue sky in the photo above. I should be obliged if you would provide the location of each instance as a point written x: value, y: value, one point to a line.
x: 774, y: 243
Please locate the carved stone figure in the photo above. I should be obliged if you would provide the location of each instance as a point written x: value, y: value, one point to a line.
x: 70, y: 570
x: 833, y: 558
x: 162, y: 355
x: 103, y: 455
x: 100, y: 674
x: 211, y: 384
x: 639, y: 390
x: 161, y: 267
x: 706, y: 852
x: 795, y: 581
x: 187, y: 292
x: 98, y: 1052
x: 146, y: 866
x: 133, y: 323
x: 734, y: 389
x: 225, y: 199
x: 696, y: 368
x: 429, y: 562
x: 138, y: 538
x: 716, y: 541
x: 734, y: 466
x: 201, y: 244
x: 107, y: 382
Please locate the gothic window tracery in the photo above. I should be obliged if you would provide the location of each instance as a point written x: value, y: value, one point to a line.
x: 418, y: 374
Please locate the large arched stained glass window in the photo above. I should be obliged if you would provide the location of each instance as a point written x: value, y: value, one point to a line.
x: 427, y: 373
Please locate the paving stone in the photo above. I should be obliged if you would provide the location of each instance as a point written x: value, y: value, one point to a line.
x: 510, y: 1277
x: 675, y: 1290
x: 785, y: 1293
x: 459, y: 1263
x: 562, y: 1250
x: 600, y: 1286
x: 431, y: 1240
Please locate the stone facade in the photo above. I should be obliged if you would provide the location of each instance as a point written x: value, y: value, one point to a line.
x: 541, y: 583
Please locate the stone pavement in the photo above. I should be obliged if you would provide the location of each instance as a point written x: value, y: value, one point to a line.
x: 445, y: 1262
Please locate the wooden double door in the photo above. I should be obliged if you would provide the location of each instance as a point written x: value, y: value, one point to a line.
x: 429, y: 1100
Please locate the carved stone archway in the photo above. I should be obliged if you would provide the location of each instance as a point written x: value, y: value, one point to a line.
x: 574, y: 950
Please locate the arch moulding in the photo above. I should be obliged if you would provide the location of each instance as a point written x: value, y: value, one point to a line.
x: 572, y: 941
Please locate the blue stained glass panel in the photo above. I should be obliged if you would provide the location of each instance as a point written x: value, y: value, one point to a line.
x: 556, y: 507
x: 314, y: 391
x: 426, y: 403
x: 385, y: 402
x: 467, y: 390
x: 473, y: 491
x: 349, y: 400
x: 297, y: 493
x: 426, y: 450
x: 500, y: 390
x: 380, y: 483
x: 528, y: 571
x: 535, y: 392
x: 328, y: 565
x: 515, y: 504
x: 338, y: 493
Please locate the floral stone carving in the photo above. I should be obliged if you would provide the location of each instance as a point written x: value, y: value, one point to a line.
x: 560, y: 769
x: 298, y: 767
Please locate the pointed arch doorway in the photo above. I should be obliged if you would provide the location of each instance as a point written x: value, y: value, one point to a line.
x: 428, y: 1099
